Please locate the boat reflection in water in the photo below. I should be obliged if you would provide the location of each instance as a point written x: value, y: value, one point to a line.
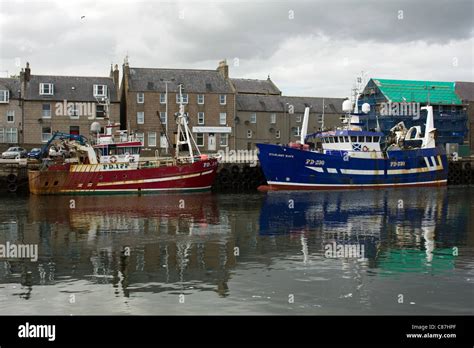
x: 173, y: 240
x: 393, y: 230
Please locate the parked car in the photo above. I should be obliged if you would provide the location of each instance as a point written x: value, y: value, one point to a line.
x: 55, y: 151
x: 34, y: 153
x: 14, y: 152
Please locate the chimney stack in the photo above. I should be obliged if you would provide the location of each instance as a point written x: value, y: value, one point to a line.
x: 116, y: 75
x: 223, y: 69
x: 27, y: 74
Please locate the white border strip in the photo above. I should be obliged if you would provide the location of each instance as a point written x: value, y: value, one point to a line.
x: 355, y: 185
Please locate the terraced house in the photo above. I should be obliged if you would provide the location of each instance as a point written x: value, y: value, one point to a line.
x: 10, y: 112
x: 149, y: 102
x: 35, y: 106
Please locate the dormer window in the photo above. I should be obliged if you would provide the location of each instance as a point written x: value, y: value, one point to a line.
x: 100, y: 90
x: 4, y: 96
x: 46, y: 89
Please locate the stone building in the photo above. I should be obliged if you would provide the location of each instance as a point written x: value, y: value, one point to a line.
x: 277, y: 119
x: 39, y: 105
x: 10, y: 112
x: 465, y: 91
x: 149, y: 102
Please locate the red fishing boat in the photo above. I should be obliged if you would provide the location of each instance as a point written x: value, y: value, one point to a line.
x: 111, y: 163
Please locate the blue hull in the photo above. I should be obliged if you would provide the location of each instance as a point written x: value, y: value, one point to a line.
x: 290, y: 168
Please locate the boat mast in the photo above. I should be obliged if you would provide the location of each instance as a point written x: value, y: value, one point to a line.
x: 183, y: 129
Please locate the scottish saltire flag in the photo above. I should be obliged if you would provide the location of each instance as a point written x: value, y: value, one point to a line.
x: 356, y: 147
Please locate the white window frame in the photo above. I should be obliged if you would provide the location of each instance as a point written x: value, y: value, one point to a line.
x: 11, y: 113
x: 42, y: 89
x: 10, y: 132
x: 222, y: 102
x: 140, y: 98
x: 74, y: 112
x: 4, y: 96
x: 253, y: 117
x: 43, y: 115
x: 202, y: 120
x: 164, y: 119
x: 224, y: 136
x: 162, y: 98
x: 140, y: 120
x: 141, y: 137
x: 96, y: 91
x: 185, y: 98
x: 278, y: 134
x: 273, y: 118
x: 150, y: 136
x: 199, y: 97
x: 105, y: 111
x: 200, y: 135
x: 223, y: 118
x: 298, y: 132
x: 43, y: 139
x: 249, y: 134
x: 298, y: 118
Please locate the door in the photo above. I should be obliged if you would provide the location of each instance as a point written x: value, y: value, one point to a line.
x: 211, y: 142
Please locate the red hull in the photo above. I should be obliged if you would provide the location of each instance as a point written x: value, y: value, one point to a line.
x: 117, y: 178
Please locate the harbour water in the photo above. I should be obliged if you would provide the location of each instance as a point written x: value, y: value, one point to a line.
x: 403, y: 251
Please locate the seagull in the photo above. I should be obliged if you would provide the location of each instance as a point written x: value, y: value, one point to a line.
x: 82, y: 17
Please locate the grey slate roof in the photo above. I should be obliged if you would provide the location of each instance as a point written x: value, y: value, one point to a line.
x: 465, y: 90
x: 193, y: 80
x: 251, y: 86
x: 12, y: 85
x: 70, y: 88
x: 272, y: 103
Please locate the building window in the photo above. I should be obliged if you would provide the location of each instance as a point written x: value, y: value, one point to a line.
x: 140, y: 137
x: 140, y: 117
x: 10, y: 116
x: 277, y: 134
x: 249, y: 133
x: 163, y: 118
x: 273, y: 118
x: 296, y: 131
x: 2, y: 135
x: 200, y: 117
x: 200, y: 139
x: 73, y: 110
x: 298, y: 118
x: 253, y: 117
x: 224, y: 139
x: 162, y: 98
x: 46, y: 113
x: 320, y: 119
x: 100, y: 111
x: 152, y: 139
x: 12, y: 135
x: 46, y: 89
x: 185, y: 98
x: 201, y: 99
x: 222, y: 99
x: 223, y: 118
x: 4, y: 96
x: 100, y: 90
x: 45, y: 134
x: 140, y: 98
x: 74, y: 130
x: 163, y: 141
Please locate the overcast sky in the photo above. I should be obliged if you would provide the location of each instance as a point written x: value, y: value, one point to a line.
x: 309, y: 48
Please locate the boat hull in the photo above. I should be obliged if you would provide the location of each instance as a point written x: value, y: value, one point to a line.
x: 288, y: 168
x: 120, y: 178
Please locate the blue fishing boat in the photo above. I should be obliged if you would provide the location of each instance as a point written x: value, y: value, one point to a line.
x: 353, y: 158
